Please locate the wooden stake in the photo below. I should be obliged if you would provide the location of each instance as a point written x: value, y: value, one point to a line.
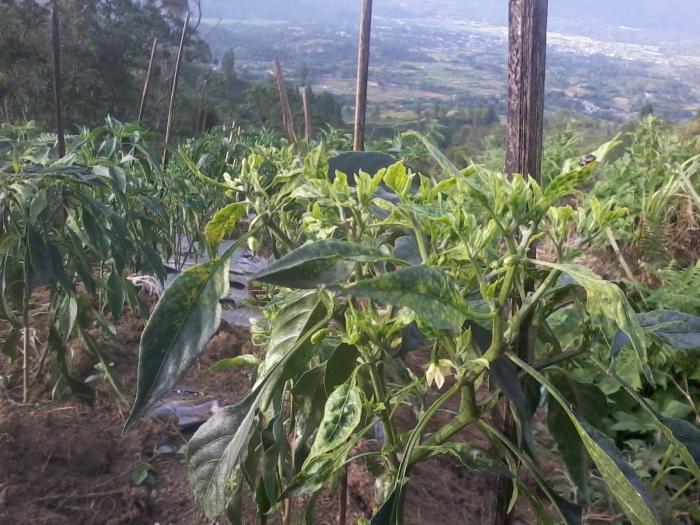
x: 173, y: 89
x: 200, y: 117
x: 343, y: 498
x: 147, y: 82
x: 527, y: 41
x: 284, y: 101
x: 304, y: 91
x: 57, y: 86
x: 362, y: 74
x: 527, y: 50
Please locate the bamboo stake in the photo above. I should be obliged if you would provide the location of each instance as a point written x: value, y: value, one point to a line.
x: 304, y: 91
x: 147, y: 82
x: 173, y: 89
x: 25, y: 352
x: 284, y: 101
x: 57, y: 87
x: 362, y: 74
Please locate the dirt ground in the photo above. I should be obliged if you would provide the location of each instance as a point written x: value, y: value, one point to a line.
x: 62, y: 462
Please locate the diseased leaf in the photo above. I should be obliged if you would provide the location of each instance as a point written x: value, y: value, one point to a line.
x: 341, y: 416
x: 220, y: 445
x: 605, y: 298
x: 222, y: 223
x: 216, y: 449
x: 620, y: 478
x: 321, y: 263
x: 183, y: 321
x: 426, y: 290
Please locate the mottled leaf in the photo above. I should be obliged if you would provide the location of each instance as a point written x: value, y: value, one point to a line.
x: 426, y: 290
x: 341, y: 416
x: 321, y: 263
x: 183, y: 321
x: 605, y: 298
x: 222, y: 223
x: 619, y: 476
x: 216, y: 449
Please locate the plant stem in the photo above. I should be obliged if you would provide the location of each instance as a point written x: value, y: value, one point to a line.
x: 380, y: 394
x: 280, y: 235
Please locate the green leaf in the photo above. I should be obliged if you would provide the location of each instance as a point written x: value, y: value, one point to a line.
x: 592, y: 403
x: 232, y: 362
x: 216, y: 449
x: 473, y: 458
x: 684, y: 436
x: 219, y: 445
x: 397, y: 178
x: 620, y: 478
x: 115, y: 294
x: 678, y: 329
x: 321, y: 263
x: 223, y: 223
x: 183, y: 321
x: 316, y: 163
x: 341, y: 415
x: 605, y: 298
x: 426, y: 290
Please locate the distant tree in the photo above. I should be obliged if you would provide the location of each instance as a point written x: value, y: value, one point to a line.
x: 228, y: 64
x: 303, y: 74
x: 646, y: 110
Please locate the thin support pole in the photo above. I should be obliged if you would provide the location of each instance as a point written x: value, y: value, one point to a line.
x: 199, y: 118
x: 527, y: 51
x: 173, y: 89
x: 287, y: 122
x: 362, y: 74
x: 304, y: 92
x: 57, y: 86
x: 147, y: 82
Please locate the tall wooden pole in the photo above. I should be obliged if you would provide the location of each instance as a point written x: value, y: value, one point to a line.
x: 304, y: 92
x: 287, y: 122
x: 147, y: 82
x: 527, y: 42
x: 362, y: 74
x: 173, y: 89
x: 527, y: 52
x: 57, y: 86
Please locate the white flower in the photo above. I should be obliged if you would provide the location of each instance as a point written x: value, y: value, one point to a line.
x: 437, y: 371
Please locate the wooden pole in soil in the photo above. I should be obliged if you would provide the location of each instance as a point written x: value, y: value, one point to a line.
x: 147, y: 82
x: 304, y: 92
x: 527, y: 52
x: 284, y: 102
x: 57, y: 86
x: 362, y: 74
x: 173, y: 89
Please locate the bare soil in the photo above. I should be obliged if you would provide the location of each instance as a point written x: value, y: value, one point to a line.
x: 62, y: 462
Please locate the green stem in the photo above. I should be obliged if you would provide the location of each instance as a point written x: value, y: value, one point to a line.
x: 380, y: 394
x: 279, y: 234
x: 420, y: 240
